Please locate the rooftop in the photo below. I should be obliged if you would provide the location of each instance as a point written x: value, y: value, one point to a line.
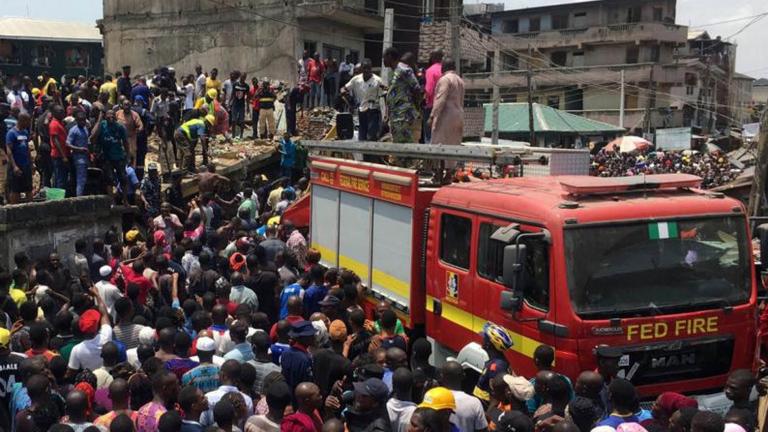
x: 513, y: 118
x: 562, y: 6
x: 741, y: 76
x: 31, y: 29
x: 540, y: 199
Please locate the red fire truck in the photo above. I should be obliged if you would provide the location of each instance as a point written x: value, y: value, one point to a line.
x: 649, y: 264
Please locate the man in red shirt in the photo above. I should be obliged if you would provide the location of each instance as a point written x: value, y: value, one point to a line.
x: 315, y: 72
x: 59, y: 150
x: 253, y: 96
x: 134, y: 275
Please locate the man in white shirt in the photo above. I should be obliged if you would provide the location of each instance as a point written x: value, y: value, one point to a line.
x: 200, y: 82
x: 469, y: 415
x: 366, y: 89
x: 229, y: 376
x: 94, y: 325
x: 109, y: 292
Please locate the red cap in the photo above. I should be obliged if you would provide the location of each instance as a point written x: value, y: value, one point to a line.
x: 89, y: 321
x: 237, y: 261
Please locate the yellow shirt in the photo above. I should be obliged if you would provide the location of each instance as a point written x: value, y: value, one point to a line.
x: 213, y: 84
x: 274, y: 221
x: 111, y: 89
x: 18, y: 296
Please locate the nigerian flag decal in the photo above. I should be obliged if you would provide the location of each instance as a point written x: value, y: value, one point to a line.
x: 662, y: 230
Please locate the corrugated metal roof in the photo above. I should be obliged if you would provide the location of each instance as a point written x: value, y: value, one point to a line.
x: 30, y: 29
x: 695, y: 34
x: 513, y: 118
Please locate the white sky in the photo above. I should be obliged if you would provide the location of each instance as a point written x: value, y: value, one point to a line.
x: 752, y: 56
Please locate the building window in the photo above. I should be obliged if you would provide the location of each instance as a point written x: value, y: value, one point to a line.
x: 553, y: 101
x: 655, y: 53
x: 689, y: 90
x: 509, y: 62
x: 77, y: 58
x: 658, y: 14
x: 634, y: 14
x: 559, y: 58
x: 577, y: 59
x: 42, y: 56
x: 559, y: 22
x: 580, y: 14
x: 455, y: 240
x: 490, y: 262
x: 9, y: 53
x: 310, y: 47
x: 511, y: 26
x: 535, y: 24
x: 633, y: 54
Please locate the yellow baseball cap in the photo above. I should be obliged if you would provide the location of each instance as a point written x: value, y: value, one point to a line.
x: 5, y: 338
x: 439, y: 398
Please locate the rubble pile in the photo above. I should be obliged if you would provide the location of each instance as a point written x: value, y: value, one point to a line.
x: 222, y: 152
x: 317, y: 123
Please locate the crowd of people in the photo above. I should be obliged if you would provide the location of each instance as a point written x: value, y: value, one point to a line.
x: 713, y: 167
x: 198, y: 326
x: 61, y: 129
x: 76, y: 128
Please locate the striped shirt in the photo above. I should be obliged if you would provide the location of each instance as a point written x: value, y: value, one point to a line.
x: 128, y: 334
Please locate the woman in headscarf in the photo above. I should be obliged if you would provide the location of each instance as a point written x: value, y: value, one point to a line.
x: 667, y: 404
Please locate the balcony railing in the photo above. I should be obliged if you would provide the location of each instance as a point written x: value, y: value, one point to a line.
x: 595, y: 35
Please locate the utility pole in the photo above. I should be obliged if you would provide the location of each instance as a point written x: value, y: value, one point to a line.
x: 621, y: 102
x: 456, y: 13
x: 651, y: 100
x: 389, y: 26
x: 528, y: 76
x: 761, y: 170
x: 496, y: 97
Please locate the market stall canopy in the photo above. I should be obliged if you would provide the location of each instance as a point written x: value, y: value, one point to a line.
x: 628, y: 144
x: 513, y: 118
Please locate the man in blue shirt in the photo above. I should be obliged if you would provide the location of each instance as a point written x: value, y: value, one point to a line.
x: 623, y: 397
x: 242, y: 351
x: 316, y: 292
x: 20, y: 160
x: 110, y: 143
x: 293, y: 290
x: 287, y: 155
x: 296, y: 361
x: 77, y: 141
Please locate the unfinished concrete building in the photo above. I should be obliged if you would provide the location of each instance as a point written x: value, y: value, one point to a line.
x: 261, y: 37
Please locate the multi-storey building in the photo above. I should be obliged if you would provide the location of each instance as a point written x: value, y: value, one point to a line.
x: 577, y: 53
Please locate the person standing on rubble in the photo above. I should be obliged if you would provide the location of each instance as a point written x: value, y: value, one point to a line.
x: 447, y: 114
x: 403, y: 96
x: 266, y: 111
x: 365, y: 88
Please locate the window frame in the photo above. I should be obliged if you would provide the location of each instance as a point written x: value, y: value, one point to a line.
x: 484, y: 242
x: 531, y: 20
x: 442, y: 251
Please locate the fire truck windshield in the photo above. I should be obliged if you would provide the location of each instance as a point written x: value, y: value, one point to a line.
x: 650, y: 268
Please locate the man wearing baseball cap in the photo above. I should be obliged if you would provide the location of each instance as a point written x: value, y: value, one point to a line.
x: 369, y: 411
x: 296, y: 361
x: 96, y: 331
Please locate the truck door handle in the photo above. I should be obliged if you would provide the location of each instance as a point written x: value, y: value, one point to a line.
x: 558, y: 330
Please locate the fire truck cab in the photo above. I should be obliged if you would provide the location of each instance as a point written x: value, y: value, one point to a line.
x: 651, y: 265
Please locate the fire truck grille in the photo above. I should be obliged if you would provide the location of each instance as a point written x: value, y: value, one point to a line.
x: 678, y: 360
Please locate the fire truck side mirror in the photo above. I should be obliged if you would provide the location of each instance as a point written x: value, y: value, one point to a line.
x: 510, y: 301
x: 514, y: 260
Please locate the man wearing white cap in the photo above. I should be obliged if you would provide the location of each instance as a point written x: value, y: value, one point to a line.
x: 146, y: 338
x: 108, y: 292
x: 206, y: 375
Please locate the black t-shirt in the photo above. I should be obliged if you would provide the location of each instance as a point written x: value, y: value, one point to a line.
x: 328, y: 367
x: 239, y: 92
x: 9, y: 375
x: 264, y: 284
x: 360, y: 346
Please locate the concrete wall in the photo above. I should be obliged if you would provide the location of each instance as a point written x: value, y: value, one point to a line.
x: 324, y: 32
x: 40, y: 228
